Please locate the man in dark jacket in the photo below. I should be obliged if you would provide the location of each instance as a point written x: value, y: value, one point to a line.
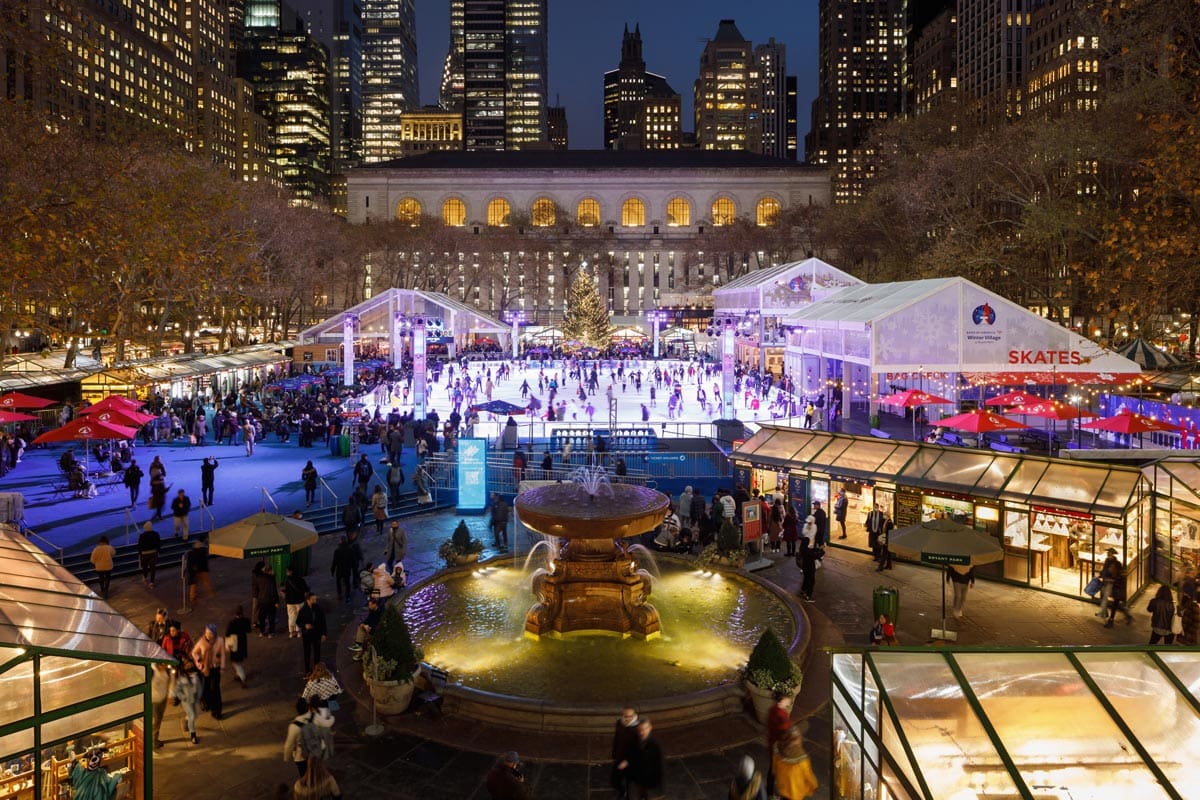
x: 505, y: 781
x: 499, y: 520
x: 207, y: 469
x: 343, y: 569
x: 133, y: 481
x: 623, y: 743
x: 363, y: 471
x: 822, y: 520
x: 311, y: 621
x: 646, y: 764
x: 149, y: 543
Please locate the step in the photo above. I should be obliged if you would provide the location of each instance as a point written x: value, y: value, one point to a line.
x: 125, y: 562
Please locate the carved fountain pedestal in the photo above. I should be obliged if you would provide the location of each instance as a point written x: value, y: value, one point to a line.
x: 594, y: 585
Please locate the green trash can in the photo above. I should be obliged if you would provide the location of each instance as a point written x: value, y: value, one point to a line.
x: 344, y: 445
x: 886, y: 600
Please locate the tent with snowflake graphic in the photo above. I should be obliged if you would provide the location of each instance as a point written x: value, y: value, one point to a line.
x: 939, y: 332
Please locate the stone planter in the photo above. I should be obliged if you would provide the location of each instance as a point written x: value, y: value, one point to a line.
x: 391, y: 697
x: 465, y: 558
x: 735, y: 562
x: 763, y: 699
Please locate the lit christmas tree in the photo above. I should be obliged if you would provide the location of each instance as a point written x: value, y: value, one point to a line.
x: 587, y: 318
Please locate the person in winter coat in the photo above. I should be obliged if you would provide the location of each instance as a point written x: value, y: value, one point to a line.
x: 379, y: 509
x: 749, y: 783
x: 187, y: 690
x: 685, y: 507
x: 792, y: 768
x: 266, y: 600
x: 210, y: 657
x: 697, y: 509
x: 1117, y: 594
x: 395, y: 479
x: 774, y: 519
x: 309, y: 476
x: 239, y: 626
x: 807, y: 558
x: 1189, y: 616
x: 1162, y: 610
x: 397, y: 545
x: 790, y: 530
x: 294, y: 590
x: 308, y: 713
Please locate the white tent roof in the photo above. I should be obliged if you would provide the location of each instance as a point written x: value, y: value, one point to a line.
x: 785, y: 287
x: 375, y: 315
x: 953, y: 325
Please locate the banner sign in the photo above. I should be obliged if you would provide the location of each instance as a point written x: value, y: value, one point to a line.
x: 472, y: 475
x: 420, y: 367
x: 728, y: 350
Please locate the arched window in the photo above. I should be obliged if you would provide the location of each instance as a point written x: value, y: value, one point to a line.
x: 408, y: 212
x: 723, y: 212
x: 497, y: 212
x: 767, y: 211
x: 454, y: 213
x: 587, y: 213
x: 679, y: 212
x: 543, y: 212
x: 633, y: 213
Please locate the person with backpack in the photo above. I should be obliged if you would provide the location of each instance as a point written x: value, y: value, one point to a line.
x: 309, y: 735
x: 133, y: 482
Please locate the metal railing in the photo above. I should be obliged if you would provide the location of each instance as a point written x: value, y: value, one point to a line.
x: 204, y: 511
x: 322, y: 488
x: 49, y: 547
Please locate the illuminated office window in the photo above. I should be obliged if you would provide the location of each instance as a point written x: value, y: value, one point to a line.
x: 454, y: 213
x: 408, y: 212
x: 722, y: 211
x: 767, y: 211
x: 587, y: 213
x: 633, y: 213
x: 679, y: 212
x: 497, y: 212
x: 543, y: 212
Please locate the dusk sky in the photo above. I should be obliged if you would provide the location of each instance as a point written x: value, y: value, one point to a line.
x: 585, y: 42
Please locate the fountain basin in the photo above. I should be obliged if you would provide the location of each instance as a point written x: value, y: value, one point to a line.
x: 568, y: 511
x: 469, y: 622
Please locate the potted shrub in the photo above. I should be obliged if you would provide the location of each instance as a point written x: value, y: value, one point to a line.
x: 727, y: 551
x: 461, y: 547
x: 769, y: 670
x: 391, y: 663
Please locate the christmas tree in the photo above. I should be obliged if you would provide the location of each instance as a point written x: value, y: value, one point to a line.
x: 586, y: 319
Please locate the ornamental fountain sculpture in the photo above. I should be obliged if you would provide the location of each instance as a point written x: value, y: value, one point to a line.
x: 593, y: 585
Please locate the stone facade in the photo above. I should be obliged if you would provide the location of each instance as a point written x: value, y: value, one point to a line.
x: 644, y: 221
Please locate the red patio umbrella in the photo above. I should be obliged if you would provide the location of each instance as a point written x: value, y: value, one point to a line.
x: 910, y: 398
x: 1050, y: 409
x: 1129, y: 422
x: 84, y: 429
x: 1013, y: 399
x: 114, y: 402
x: 129, y: 418
x: 19, y: 400
x: 979, y: 422
x: 14, y: 416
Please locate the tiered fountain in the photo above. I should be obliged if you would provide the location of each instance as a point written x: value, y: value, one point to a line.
x: 594, y: 585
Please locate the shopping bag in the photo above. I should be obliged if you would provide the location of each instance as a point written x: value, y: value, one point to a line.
x: 1093, y: 587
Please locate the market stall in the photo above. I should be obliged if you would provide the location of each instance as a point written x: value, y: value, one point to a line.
x: 977, y: 724
x: 1176, y: 484
x: 1056, y: 519
x: 74, y: 682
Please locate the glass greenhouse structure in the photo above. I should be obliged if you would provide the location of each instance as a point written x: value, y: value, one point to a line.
x: 1039, y: 724
x: 74, y: 679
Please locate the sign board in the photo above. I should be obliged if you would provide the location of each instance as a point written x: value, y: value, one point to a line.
x: 751, y: 520
x: 728, y: 354
x: 908, y: 508
x: 472, y: 475
x: 420, y: 371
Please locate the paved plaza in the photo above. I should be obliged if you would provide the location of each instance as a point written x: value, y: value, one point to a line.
x: 429, y: 757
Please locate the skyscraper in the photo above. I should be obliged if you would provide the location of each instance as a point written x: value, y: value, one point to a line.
x: 497, y: 72
x: 860, y: 82
x: 390, y: 85
x: 290, y: 73
x: 641, y: 110
x: 771, y: 60
x: 728, y: 94
x: 338, y: 24
x: 992, y: 36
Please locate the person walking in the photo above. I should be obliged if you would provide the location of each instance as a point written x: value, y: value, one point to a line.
x: 308, y: 476
x: 685, y: 507
x: 840, y: 505
x: 807, y: 559
x: 1108, y: 570
x: 397, y: 545
x: 961, y: 579
x: 395, y: 477
x: 102, y: 562
x: 344, y: 568
x: 197, y: 571
x: 1189, y: 618
x: 133, y: 482
x: 379, y: 509
x: 181, y: 506
x: 822, y: 520
x: 237, y: 633
x: 623, y: 742
x: 316, y: 783
x: 294, y: 590
x: 311, y: 620
x: 248, y: 433
x: 208, y: 468
x: 505, y: 781
x: 883, y: 541
x: 775, y: 524
x: 790, y: 531
x: 210, y: 657
x: 158, y: 497
x: 1117, y: 595
x: 148, y: 544
x: 749, y: 783
x: 1162, y: 612
x: 160, y: 692
x: 875, y: 522
x: 266, y: 601
x: 792, y: 768
x: 311, y: 712
x: 499, y: 521
x: 646, y: 764
x: 363, y: 472
x: 187, y: 691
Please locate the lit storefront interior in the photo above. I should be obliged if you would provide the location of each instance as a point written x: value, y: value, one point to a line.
x: 1056, y: 518
x: 74, y: 678
x: 1063, y: 724
x: 1176, y: 516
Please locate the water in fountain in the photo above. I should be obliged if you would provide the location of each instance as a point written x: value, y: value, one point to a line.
x: 593, y: 480
x: 547, y: 543
x: 646, y: 555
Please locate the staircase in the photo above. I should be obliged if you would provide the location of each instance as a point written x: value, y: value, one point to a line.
x: 326, y: 520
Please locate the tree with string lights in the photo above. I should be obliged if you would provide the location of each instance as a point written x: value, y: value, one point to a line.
x: 586, y: 319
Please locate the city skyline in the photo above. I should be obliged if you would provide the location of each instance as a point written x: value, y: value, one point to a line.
x: 583, y: 48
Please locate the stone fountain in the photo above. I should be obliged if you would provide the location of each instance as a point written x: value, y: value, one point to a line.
x: 593, y: 585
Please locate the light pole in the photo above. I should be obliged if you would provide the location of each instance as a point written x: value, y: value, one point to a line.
x: 654, y: 318
x: 515, y: 317
x: 1075, y: 399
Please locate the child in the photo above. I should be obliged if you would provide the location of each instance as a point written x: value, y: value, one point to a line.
x: 884, y: 632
